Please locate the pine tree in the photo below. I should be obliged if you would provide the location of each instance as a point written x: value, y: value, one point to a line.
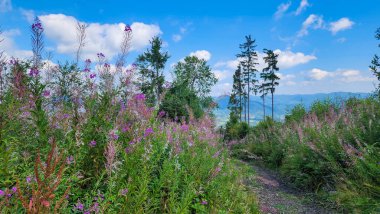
x: 248, y: 62
x: 270, y: 79
x: 151, y: 65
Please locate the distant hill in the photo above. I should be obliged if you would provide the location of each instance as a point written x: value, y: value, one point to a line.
x: 283, y: 104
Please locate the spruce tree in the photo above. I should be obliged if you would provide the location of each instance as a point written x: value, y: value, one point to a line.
x: 248, y: 62
x: 269, y: 76
x: 236, y: 99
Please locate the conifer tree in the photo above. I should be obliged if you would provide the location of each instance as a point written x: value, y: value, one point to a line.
x: 237, y: 95
x: 248, y: 62
x: 270, y: 79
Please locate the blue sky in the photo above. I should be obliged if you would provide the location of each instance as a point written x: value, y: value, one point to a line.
x: 323, y: 47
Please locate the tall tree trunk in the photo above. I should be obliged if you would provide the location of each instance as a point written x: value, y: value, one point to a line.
x: 264, y: 103
x: 248, y: 96
x: 240, y: 108
x: 272, y: 102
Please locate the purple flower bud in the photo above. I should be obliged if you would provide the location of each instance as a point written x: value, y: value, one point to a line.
x: 92, y: 143
x: 70, y: 160
x: 161, y: 114
x: 106, y: 65
x: 79, y: 206
x: 33, y: 72
x: 88, y: 61
x: 28, y: 180
x: 140, y: 97
x: 14, y: 189
x: 148, y: 132
x: 46, y: 93
x: 204, y: 202
x: 2, y: 193
x: 92, y: 76
x: 100, y: 55
x: 127, y: 28
x: 124, y: 192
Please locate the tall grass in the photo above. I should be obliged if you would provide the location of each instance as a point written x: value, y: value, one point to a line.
x: 333, y: 150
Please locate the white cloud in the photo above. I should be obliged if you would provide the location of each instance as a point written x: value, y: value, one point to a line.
x: 28, y: 15
x: 281, y: 9
x: 5, y: 6
x: 340, y: 25
x: 288, y: 59
x: 342, y: 75
x: 10, y: 47
x: 318, y: 74
x: 221, y: 89
x: 222, y: 74
x: 105, y: 38
x: 303, y: 5
x: 176, y: 37
x: 202, y: 54
x: 313, y: 21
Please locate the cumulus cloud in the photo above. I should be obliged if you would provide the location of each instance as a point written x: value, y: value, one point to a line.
x: 222, y: 74
x: 9, y: 46
x: 202, y: 54
x: 318, y: 74
x: 105, y: 38
x: 312, y: 21
x: 303, y: 5
x: 281, y: 9
x: 288, y: 59
x: 340, y: 25
x: 342, y: 75
x: 5, y: 6
x: 221, y: 89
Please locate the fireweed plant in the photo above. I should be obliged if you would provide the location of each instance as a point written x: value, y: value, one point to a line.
x: 75, y: 140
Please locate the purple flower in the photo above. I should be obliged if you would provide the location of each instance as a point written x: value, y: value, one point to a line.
x: 106, y: 65
x: 70, y: 160
x: 148, y: 132
x: 127, y: 28
x: 204, y: 202
x: 100, y: 55
x: 185, y: 127
x: 46, y: 93
x: 92, y: 76
x: 79, y: 206
x: 87, y: 212
x: 33, y: 72
x: 37, y: 26
x: 2, y: 193
x: 28, y: 180
x: 161, y: 114
x: 124, y: 192
x: 86, y: 70
x: 92, y: 143
x: 113, y: 135
x: 14, y: 189
x: 140, y: 97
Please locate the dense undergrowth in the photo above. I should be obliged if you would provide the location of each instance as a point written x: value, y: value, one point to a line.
x: 76, y: 140
x: 333, y: 150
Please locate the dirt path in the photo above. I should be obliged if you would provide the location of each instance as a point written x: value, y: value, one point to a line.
x: 277, y: 197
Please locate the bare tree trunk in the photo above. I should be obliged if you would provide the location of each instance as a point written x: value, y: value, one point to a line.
x: 264, y: 103
x: 248, y: 96
x: 272, y: 104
